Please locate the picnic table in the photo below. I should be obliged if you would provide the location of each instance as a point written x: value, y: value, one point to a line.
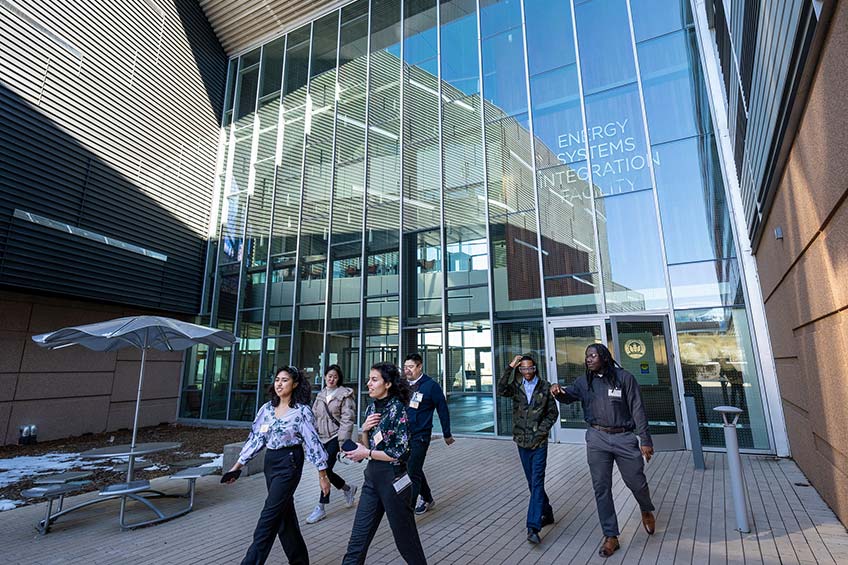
x: 137, y: 490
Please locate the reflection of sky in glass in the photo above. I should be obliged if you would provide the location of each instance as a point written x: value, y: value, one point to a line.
x: 603, y: 33
x: 459, y: 54
x: 692, y: 219
x: 550, y: 37
x: 652, y: 18
x: 499, y: 15
x: 666, y: 65
x: 632, y: 254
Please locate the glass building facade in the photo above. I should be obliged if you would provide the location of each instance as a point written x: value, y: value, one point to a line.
x: 471, y: 180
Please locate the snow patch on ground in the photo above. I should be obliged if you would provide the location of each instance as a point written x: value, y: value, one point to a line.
x: 14, y: 469
x: 218, y: 460
x: 6, y: 504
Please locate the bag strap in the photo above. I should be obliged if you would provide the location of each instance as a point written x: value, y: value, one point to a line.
x: 330, y: 414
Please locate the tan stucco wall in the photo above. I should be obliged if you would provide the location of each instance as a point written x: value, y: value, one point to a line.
x: 804, y: 277
x: 74, y: 390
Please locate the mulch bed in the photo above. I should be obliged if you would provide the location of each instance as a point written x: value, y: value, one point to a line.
x: 194, y: 440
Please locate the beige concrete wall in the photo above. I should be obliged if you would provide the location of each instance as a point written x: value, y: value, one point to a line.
x: 805, y: 277
x: 74, y: 391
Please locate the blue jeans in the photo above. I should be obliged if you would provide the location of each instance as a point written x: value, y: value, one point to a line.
x: 534, y: 462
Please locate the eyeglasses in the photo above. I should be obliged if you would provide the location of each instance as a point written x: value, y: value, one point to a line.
x: 526, y: 369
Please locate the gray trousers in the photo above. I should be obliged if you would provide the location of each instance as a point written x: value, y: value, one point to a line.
x: 601, y: 450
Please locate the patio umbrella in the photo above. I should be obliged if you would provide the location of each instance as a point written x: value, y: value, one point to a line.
x: 140, y: 332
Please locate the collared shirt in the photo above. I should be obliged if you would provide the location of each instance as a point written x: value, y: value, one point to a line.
x: 414, y: 384
x: 610, y: 404
x: 393, y: 427
x: 530, y: 386
x: 297, y: 426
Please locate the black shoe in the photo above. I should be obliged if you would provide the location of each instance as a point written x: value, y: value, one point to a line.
x: 533, y: 536
x: 547, y: 520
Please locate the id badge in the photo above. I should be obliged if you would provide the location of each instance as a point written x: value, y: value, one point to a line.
x: 263, y: 429
x: 614, y: 393
x: 402, y: 483
x: 416, y: 400
x: 378, y: 438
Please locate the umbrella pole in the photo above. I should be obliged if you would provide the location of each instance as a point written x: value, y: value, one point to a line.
x: 131, y: 463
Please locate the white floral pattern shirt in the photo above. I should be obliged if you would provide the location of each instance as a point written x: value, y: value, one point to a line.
x: 297, y: 426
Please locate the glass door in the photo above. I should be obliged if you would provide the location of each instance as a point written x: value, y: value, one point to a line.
x: 568, y: 340
x: 642, y: 346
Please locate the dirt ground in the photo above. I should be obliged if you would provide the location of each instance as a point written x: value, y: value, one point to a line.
x: 194, y: 441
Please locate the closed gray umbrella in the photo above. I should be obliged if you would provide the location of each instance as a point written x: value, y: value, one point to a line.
x: 140, y: 332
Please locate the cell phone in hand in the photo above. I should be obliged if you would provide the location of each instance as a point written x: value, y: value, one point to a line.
x: 230, y: 476
x: 349, y: 445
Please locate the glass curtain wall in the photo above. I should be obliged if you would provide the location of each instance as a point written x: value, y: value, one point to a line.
x: 715, y: 344
x: 445, y: 176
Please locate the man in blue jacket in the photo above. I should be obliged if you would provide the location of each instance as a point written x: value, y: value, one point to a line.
x: 427, y: 396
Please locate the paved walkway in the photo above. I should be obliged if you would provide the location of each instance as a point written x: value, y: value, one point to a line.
x: 481, y: 500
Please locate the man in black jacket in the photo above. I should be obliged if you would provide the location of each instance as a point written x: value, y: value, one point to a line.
x: 618, y: 431
x: 427, y: 396
x: 534, y: 413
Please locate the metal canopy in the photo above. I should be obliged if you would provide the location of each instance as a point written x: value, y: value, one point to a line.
x: 240, y: 24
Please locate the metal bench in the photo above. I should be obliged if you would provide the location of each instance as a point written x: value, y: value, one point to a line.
x: 52, y: 492
x: 191, y: 475
x: 62, y: 478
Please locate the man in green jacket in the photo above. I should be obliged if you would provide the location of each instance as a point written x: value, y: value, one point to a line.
x: 534, y: 412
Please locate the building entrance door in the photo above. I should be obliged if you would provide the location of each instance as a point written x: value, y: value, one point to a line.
x: 641, y: 345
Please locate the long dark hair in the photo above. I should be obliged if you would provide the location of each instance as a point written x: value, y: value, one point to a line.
x: 301, y: 394
x: 338, y: 371
x: 609, y: 364
x: 391, y: 374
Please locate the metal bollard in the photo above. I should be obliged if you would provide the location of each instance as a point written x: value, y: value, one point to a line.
x: 734, y: 465
x: 694, y: 434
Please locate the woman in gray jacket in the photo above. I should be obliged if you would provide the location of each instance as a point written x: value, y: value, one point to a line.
x: 335, y: 411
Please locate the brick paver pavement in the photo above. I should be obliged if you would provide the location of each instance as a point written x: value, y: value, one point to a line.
x: 481, y: 501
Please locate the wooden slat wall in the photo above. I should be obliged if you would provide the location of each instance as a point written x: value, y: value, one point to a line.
x: 110, y: 115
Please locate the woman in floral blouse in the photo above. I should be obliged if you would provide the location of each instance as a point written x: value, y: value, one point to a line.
x: 385, y: 443
x: 285, y: 426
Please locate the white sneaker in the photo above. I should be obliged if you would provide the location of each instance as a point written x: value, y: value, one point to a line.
x: 350, y: 494
x: 317, y: 515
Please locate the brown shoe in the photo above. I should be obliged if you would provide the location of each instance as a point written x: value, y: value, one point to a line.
x: 649, y: 522
x: 609, y: 546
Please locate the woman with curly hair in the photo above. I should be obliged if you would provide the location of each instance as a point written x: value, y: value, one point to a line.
x: 335, y: 411
x: 386, y: 490
x: 285, y: 426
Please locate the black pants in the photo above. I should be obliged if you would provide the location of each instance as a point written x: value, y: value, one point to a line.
x: 379, y: 497
x: 417, y: 453
x: 332, y: 448
x: 283, y: 468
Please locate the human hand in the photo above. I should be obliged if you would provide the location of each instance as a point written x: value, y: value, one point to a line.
x: 324, y: 482
x: 449, y: 440
x: 371, y: 422
x: 555, y: 389
x: 358, y: 454
x: 647, y: 452
x: 515, y: 361
x: 230, y: 476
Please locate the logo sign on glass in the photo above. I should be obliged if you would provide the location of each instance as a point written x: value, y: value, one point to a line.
x: 637, y: 356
